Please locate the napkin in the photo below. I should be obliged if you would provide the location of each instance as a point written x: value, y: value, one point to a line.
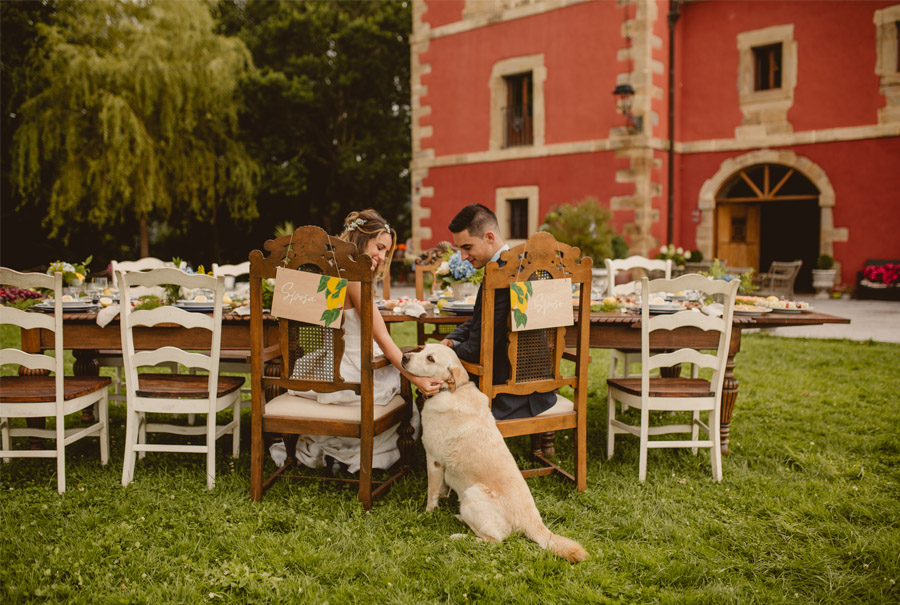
x: 714, y: 310
x: 244, y: 310
x: 413, y: 309
x: 106, y: 315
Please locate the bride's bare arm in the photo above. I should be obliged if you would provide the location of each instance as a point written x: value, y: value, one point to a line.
x: 428, y: 386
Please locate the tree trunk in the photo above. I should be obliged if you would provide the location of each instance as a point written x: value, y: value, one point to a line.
x: 145, y: 238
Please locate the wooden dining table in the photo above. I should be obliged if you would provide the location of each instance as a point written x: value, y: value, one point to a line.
x: 618, y: 330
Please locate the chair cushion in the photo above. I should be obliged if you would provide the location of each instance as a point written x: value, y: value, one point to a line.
x: 562, y: 406
x: 184, y: 386
x: 302, y: 407
x: 24, y: 389
x: 665, y: 387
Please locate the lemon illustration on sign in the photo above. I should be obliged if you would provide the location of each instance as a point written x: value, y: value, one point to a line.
x: 519, y: 301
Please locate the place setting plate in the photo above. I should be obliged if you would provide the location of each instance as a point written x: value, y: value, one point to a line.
x: 195, y: 305
x: 70, y: 306
x: 459, y: 308
x: 750, y: 310
x: 666, y: 309
x: 794, y: 311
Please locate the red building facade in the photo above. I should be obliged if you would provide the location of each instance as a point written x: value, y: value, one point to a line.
x: 786, y: 122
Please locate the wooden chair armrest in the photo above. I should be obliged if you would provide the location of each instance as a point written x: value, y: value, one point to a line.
x: 269, y: 353
x: 472, y: 368
x: 572, y: 355
x: 380, y: 362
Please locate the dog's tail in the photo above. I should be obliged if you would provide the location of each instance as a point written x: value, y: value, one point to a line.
x: 570, y: 550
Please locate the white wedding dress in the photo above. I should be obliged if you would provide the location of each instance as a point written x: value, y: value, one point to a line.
x: 313, y: 449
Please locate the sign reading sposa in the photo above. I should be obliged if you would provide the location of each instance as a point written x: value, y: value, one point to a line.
x: 308, y: 297
x: 545, y: 303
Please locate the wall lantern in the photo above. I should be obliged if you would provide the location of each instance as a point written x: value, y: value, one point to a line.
x: 624, y: 96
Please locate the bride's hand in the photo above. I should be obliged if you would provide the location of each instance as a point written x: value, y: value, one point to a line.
x: 426, y: 385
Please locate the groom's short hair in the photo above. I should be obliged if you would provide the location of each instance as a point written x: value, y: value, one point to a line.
x: 476, y: 219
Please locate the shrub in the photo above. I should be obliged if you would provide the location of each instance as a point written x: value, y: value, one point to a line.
x: 586, y: 225
x: 619, y: 247
x: 825, y: 262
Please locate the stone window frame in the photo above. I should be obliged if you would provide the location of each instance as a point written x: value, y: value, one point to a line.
x: 766, y: 107
x: 511, y: 67
x: 501, y: 209
x: 887, y: 39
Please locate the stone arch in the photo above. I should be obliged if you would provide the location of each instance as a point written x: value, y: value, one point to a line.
x: 706, y: 203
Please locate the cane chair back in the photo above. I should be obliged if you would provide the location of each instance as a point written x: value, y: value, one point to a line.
x: 36, y: 394
x: 149, y: 392
x: 308, y: 358
x: 779, y: 279
x: 535, y: 355
x: 676, y: 394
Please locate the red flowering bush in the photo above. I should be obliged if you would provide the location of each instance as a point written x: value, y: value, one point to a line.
x: 888, y: 274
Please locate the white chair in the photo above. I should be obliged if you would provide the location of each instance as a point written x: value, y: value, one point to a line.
x: 175, y: 393
x: 235, y: 361
x: 623, y: 357
x: 113, y: 359
x: 40, y: 395
x: 676, y: 394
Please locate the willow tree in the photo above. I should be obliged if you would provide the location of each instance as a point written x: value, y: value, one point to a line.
x: 136, y: 115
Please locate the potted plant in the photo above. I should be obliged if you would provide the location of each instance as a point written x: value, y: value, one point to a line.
x: 823, y: 276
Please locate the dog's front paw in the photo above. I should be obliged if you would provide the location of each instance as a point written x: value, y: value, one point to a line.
x: 430, y: 506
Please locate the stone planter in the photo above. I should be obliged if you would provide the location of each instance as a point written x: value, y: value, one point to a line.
x: 823, y: 281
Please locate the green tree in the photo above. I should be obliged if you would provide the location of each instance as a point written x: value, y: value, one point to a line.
x: 134, y: 118
x: 586, y: 225
x: 328, y: 110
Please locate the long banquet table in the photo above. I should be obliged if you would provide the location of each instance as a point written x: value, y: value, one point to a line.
x: 608, y: 331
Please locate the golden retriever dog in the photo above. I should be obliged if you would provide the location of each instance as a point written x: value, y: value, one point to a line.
x: 466, y: 453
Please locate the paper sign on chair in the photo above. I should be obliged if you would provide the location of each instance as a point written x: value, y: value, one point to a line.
x: 308, y: 297
x: 540, y: 304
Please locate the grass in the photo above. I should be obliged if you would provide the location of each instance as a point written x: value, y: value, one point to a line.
x: 808, y: 512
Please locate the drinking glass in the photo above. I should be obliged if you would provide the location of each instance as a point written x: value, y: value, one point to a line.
x: 96, y: 287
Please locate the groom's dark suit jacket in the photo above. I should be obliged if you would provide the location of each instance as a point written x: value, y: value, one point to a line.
x: 468, y: 335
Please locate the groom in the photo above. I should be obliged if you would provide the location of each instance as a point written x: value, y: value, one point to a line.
x: 476, y: 233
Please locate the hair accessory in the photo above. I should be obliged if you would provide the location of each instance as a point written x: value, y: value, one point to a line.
x: 387, y: 227
x: 354, y: 224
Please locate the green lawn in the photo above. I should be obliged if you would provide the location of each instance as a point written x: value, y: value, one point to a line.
x: 808, y: 512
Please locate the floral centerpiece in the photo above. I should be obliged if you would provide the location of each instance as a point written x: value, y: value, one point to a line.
x: 455, y: 273
x: 678, y: 255
x: 718, y: 271
x: 73, y: 273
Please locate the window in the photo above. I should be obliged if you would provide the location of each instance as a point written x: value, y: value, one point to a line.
x: 517, y: 212
x: 767, y: 62
x: 518, y: 112
x: 518, y: 218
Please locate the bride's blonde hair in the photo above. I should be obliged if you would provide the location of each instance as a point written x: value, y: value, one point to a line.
x: 365, y: 225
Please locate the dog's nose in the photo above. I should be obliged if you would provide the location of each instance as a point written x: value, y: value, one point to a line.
x: 404, y: 361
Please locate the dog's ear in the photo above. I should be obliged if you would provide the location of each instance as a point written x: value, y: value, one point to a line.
x: 458, y: 377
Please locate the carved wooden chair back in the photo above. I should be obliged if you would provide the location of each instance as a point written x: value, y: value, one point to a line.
x: 308, y: 358
x: 175, y: 393
x: 677, y: 394
x: 427, y: 265
x: 36, y: 394
x: 535, y: 355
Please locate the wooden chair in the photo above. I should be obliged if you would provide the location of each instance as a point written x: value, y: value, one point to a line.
x: 535, y: 355
x: 310, y: 360
x: 40, y: 395
x: 779, y: 279
x: 676, y: 394
x: 620, y: 356
x: 174, y: 393
x: 427, y: 265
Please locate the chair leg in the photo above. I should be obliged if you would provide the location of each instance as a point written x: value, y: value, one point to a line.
x: 715, y: 452
x: 210, y: 450
x: 103, y: 413
x: 236, y: 433
x: 131, y: 431
x: 142, y: 434
x: 610, y: 431
x: 645, y: 430
x: 60, y: 454
x: 4, y: 437
x: 695, y: 428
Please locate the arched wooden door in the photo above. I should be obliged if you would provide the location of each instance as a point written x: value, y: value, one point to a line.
x: 767, y: 212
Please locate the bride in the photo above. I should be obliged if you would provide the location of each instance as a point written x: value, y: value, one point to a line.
x: 373, y: 236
